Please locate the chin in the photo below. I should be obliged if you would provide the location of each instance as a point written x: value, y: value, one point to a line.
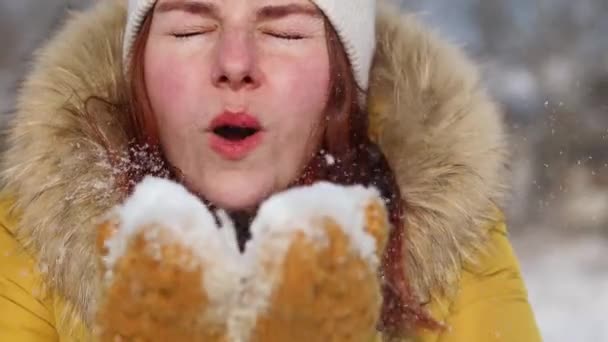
x: 236, y: 204
x: 245, y: 196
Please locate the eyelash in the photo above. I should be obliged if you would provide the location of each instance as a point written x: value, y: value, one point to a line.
x: 193, y: 32
x: 186, y: 35
x: 285, y: 36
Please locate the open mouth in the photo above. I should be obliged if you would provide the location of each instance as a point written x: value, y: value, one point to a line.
x: 235, y: 133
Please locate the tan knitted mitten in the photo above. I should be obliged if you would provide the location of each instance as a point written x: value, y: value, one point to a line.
x: 309, y: 272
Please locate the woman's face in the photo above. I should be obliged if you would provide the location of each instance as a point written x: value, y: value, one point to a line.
x: 239, y: 89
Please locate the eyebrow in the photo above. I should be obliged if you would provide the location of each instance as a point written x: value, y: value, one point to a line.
x: 271, y: 12
x: 280, y: 11
x: 192, y: 7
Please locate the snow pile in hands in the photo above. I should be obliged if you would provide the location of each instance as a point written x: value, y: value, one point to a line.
x: 244, y: 281
x: 160, y: 202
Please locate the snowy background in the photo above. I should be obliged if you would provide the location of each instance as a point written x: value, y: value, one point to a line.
x: 546, y: 61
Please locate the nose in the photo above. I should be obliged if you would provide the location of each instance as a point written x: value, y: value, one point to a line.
x: 235, y: 65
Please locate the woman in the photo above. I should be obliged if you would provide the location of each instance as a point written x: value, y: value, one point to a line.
x: 216, y: 94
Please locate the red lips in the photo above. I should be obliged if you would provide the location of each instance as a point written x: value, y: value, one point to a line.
x: 234, y: 135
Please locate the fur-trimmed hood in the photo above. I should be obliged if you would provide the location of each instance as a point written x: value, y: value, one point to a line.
x: 442, y: 135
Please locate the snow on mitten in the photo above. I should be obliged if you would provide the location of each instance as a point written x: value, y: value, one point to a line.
x: 167, y: 269
x: 314, y: 257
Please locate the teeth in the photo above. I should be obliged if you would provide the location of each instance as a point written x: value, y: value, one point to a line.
x: 235, y: 132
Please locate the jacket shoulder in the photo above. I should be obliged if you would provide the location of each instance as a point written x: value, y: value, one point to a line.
x: 492, y: 300
x: 25, y: 311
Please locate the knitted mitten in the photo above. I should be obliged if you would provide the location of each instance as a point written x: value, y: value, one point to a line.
x: 309, y: 272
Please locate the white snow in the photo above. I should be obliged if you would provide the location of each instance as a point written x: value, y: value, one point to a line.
x: 158, y: 202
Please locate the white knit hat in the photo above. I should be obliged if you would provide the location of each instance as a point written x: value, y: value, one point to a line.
x: 353, y: 20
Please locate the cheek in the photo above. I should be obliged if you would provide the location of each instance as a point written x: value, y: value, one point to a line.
x: 305, y: 85
x: 170, y: 89
x: 161, y: 83
x: 300, y: 91
x: 174, y: 91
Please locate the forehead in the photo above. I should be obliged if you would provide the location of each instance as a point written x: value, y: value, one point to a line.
x: 206, y: 5
x: 240, y: 2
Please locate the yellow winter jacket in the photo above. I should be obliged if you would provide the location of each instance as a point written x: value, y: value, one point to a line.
x: 491, y: 304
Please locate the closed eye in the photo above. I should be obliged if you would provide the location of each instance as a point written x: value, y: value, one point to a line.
x: 193, y: 32
x: 186, y: 34
x: 287, y: 36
